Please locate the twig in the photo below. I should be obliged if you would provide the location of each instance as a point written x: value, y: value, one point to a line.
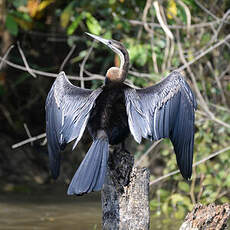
x: 147, y: 152
x: 224, y: 101
x: 28, y: 133
x: 175, y: 27
x: 43, y: 135
x: 202, y: 101
x: 205, y: 9
x: 168, y: 38
x: 224, y: 72
x: 94, y: 75
x: 7, y: 115
x: 67, y: 58
x: 221, y: 25
x: 160, y: 19
x: 154, y: 56
x: 188, y: 14
x: 145, y: 13
x: 25, y: 61
x: 226, y: 125
x: 194, y: 165
x: 6, y: 55
x: 221, y: 122
x: 221, y: 42
x: 47, y: 74
x: 202, y: 177
x: 83, y: 64
x: 144, y: 16
x: 220, y: 107
x: 192, y: 187
x: 138, y: 74
x: 171, y: 52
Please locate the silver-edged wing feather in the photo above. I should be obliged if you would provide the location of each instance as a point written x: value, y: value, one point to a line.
x: 67, y: 112
x: 165, y: 110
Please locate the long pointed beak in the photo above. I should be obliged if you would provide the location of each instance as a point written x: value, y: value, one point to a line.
x: 104, y: 41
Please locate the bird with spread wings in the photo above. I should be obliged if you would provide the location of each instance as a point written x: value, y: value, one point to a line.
x: 111, y: 113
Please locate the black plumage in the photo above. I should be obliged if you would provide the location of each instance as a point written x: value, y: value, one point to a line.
x: 165, y: 110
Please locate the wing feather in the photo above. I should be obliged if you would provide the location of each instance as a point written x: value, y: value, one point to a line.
x: 165, y: 110
x: 67, y: 112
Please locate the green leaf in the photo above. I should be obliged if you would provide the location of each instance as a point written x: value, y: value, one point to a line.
x: 93, y: 25
x: 108, y: 35
x: 165, y: 208
x: 19, y: 3
x: 154, y: 204
x: 111, y: 2
x: 11, y: 25
x: 183, y: 186
x: 66, y: 14
x: 224, y: 199
x: 75, y: 24
x: 176, y: 198
x: 180, y: 213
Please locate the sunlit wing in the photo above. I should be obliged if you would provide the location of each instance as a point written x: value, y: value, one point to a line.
x: 67, y: 112
x: 165, y: 110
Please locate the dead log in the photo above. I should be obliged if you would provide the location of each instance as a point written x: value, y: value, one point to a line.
x: 125, y: 194
x: 207, y: 217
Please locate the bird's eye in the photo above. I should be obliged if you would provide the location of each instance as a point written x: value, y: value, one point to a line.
x: 110, y: 42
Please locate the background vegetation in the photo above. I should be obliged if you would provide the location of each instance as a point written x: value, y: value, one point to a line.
x: 48, y: 35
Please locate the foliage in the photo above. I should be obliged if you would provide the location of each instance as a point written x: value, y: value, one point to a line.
x: 150, y: 51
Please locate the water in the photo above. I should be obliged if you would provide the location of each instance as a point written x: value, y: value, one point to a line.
x: 52, y: 209
x: 49, y: 211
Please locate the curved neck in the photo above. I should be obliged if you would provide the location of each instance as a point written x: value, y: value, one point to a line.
x: 124, y: 66
x: 124, y: 63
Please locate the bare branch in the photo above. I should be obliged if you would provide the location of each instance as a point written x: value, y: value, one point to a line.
x: 161, y: 21
x: 6, y: 55
x: 147, y: 152
x: 202, y: 101
x: 194, y: 165
x: 25, y: 61
x: 168, y: 38
x: 83, y: 64
x: 224, y: 101
x: 144, y: 16
x: 188, y: 14
x: 138, y: 74
x: 43, y: 135
x: 28, y: 133
x: 47, y: 74
x: 205, y: 9
x: 175, y: 27
x: 67, y: 58
x: 221, y: 25
x: 221, y: 42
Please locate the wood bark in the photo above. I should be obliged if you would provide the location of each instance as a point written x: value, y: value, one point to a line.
x: 125, y: 194
x: 207, y: 217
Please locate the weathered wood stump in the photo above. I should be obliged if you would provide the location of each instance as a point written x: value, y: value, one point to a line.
x: 207, y: 217
x: 125, y: 194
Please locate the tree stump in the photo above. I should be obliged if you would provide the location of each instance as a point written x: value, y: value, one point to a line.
x: 207, y: 217
x: 125, y: 194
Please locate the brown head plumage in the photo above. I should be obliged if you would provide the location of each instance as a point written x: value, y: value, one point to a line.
x: 116, y: 74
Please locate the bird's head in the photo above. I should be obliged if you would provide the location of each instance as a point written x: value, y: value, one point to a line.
x: 114, y: 73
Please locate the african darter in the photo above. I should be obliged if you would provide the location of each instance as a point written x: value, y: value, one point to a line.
x: 111, y: 113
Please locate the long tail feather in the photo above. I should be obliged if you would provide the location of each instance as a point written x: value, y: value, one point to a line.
x: 91, y: 173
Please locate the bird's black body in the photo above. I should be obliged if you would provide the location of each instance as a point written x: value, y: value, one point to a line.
x: 111, y: 112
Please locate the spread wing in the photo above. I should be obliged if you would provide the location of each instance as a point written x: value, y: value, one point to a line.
x: 67, y: 112
x: 165, y: 110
